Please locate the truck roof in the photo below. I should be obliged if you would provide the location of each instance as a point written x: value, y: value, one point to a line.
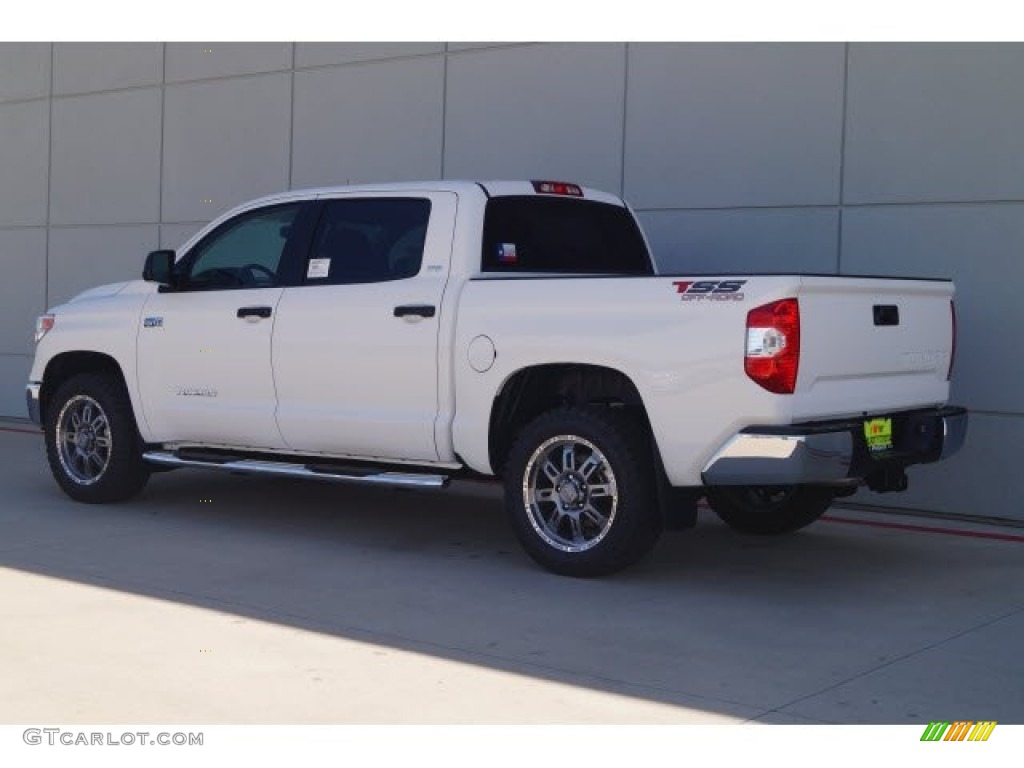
x: 493, y: 188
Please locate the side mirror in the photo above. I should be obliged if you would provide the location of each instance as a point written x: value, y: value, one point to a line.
x: 159, y: 267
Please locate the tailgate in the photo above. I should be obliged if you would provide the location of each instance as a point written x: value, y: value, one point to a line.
x: 871, y: 345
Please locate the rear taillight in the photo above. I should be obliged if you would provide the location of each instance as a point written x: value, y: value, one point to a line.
x: 952, y: 351
x: 773, y: 345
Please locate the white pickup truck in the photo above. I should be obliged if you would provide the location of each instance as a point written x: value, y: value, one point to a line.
x: 407, y: 334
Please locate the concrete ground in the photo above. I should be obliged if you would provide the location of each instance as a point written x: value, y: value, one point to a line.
x: 214, y: 598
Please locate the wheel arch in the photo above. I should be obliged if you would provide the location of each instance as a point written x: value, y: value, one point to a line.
x: 530, y: 391
x: 67, y: 364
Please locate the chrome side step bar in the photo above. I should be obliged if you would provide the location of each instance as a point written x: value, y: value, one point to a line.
x: 251, y: 466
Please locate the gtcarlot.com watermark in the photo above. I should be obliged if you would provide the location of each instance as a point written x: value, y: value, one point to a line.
x: 55, y: 736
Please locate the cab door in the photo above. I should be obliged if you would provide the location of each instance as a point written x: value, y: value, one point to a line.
x: 355, y: 349
x: 204, y: 365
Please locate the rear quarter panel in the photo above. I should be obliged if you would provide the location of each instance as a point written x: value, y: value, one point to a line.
x: 683, y: 354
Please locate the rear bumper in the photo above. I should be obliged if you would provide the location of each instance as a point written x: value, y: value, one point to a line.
x: 834, y: 451
x: 32, y: 401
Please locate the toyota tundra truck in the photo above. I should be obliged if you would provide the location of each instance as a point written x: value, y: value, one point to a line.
x: 408, y: 334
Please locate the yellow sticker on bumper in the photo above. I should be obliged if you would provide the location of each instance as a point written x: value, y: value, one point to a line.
x: 878, y: 433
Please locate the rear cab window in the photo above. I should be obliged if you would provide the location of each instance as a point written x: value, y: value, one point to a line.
x: 534, y: 233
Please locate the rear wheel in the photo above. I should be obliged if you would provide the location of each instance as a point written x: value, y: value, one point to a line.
x: 580, y: 491
x: 92, y: 443
x: 769, y: 509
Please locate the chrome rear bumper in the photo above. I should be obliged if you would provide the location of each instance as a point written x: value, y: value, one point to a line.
x: 833, y: 452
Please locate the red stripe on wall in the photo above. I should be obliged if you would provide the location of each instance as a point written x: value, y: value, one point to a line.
x: 22, y: 431
x: 927, y: 529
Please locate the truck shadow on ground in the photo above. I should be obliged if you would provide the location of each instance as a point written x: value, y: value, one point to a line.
x: 737, y: 625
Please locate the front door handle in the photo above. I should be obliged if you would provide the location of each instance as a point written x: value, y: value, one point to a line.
x: 417, y: 310
x: 254, y: 312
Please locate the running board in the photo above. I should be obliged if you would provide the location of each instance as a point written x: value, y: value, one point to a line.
x: 251, y: 466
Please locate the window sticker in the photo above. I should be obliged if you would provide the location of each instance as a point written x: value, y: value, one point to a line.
x: 318, y: 268
x: 507, y: 253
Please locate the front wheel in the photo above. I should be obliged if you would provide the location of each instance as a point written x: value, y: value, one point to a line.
x: 580, y: 491
x: 769, y: 509
x: 92, y: 443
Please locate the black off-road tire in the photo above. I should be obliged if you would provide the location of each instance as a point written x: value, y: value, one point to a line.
x: 770, y: 510
x: 616, y: 451
x: 124, y: 474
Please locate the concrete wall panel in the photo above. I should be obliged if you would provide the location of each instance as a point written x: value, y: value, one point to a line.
x: 372, y: 122
x: 85, y: 257
x: 715, y: 125
x: 14, y: 371
x: 774, y: 240
x: 83, y: 67
x: 469, y: 46
x: 196, y: 61
x: 22, y: 290
x: 932, y: 122
x: 551, y: 111
x: 106, y: 158
x: 175, y: 235
x: 225, y: 141
x: 322, y: 54
x: 24, y: 149
x: 24, y: 70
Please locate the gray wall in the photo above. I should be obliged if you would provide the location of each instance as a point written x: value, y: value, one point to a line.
x: 903, y: 159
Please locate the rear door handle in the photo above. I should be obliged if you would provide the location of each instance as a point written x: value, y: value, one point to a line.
x: 418, y: 310
x: 254, y: 312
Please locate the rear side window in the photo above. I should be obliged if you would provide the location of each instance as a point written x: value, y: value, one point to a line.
x: 548, y: 234
x: 368, y: 240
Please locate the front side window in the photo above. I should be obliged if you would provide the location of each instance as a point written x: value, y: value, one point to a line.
x: 245, y: 252
x: 368, y: 240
